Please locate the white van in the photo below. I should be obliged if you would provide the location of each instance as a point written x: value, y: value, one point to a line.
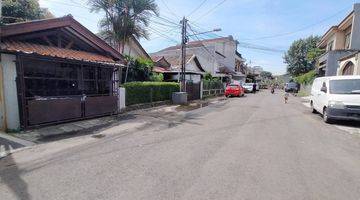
x: 336, y: 97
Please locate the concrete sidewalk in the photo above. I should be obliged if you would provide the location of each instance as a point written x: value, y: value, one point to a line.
x: 9, y: 144
x: 86, y: 127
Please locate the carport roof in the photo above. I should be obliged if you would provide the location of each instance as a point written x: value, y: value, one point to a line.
x: 42, y: 50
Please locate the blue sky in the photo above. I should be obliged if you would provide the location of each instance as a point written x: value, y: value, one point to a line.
x: 249, y: 21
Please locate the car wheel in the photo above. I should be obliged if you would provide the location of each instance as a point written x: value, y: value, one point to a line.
x: 312, y: 107
x: 326, y: 117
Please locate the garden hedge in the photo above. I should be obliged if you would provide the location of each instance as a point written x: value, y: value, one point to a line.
x: 147, y: 92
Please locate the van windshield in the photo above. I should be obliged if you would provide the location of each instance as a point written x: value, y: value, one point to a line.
x: 350, y: 86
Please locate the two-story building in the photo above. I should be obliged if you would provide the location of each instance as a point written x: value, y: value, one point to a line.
x: 216, y: 56
x: 340, y: 42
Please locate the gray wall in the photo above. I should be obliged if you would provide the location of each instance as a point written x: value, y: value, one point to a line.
x: 12, y: 118
x: 332, y: 63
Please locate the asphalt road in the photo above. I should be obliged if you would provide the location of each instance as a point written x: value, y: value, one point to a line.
x: 254, y: 147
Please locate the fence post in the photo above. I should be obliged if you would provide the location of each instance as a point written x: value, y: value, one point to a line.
x: 121, y: 99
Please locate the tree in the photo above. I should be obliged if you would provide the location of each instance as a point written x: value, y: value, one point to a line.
x: 300, y: 57
x: 23, y: 10
x: 265, y: 74
x: 314, y: 54
x: 124, y: 19
x: 140, y: 69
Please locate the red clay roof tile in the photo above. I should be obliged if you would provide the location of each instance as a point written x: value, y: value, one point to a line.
x: 29, y: 48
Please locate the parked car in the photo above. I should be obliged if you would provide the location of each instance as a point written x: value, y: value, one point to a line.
x: 248, y: 87
x: 235, y: 90
x: 292, y: 87
x: 336, y: 98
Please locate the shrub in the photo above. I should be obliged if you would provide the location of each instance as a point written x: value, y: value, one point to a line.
x: 155, y: 77
x: 147, y: 92
x: 213, y: 84
x: 306, y: 78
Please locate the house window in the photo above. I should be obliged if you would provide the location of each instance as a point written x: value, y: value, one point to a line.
x: 348, y: 69
x: 347, y: 41
x: 330, y: 46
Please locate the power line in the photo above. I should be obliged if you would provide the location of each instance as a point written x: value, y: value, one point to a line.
x: 301, y: 29
x: 197, y: 8
x: 170, y: 11
x: 163, y: 35
x: 211, y: 10
x: 254, y: 46
x: 202, y: 44
x: 164, y: 19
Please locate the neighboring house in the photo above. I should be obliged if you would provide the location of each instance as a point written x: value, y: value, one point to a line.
x: 53, y: 71
x: 217, y: 56
x: 134, y: 49
x: 339, y: 41
x: 240, y: 68
x: 170, y: 67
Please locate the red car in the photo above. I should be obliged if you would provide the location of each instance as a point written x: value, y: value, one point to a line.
x: 234, y: 90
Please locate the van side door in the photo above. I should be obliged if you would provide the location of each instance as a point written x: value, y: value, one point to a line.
x: 322, y: 98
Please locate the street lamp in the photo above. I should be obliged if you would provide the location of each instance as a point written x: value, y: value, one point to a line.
x: 214, y: 30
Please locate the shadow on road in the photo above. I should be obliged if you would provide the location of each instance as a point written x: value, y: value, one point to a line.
x: 10, y: 176
x: 351, y: 124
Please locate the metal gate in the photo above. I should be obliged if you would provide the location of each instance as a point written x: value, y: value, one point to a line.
x: 54, y: 92
x: 193, y: 91
x: 50, y: 111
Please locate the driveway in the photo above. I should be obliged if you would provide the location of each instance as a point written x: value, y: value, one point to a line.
x: 254, y: 147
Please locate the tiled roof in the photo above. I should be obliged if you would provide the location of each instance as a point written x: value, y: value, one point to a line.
x: 200, y: 43
x: 160, y: 70
x: 156, y: 58
x: 175, y: 61
x: 29, y: 48
x: 67, y: 23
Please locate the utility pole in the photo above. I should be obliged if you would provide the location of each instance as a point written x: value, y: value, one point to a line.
x: 183, y: 55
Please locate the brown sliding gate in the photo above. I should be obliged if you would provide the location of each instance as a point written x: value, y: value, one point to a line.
x: 55, y: 91
x: 193, y: 91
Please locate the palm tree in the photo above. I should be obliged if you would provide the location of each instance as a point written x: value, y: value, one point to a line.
x: 123, y: 20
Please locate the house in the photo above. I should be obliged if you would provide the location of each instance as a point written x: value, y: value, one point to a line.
x: 170, y: 67
x: 134, y: 49
x: 53, y: 71
x: 240, y: 68
x: 217, y: 56
x: 338, y: 42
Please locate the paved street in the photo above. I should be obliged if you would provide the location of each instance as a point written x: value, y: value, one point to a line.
x: 254, y: 147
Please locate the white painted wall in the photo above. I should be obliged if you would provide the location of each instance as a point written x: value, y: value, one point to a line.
x: 12, y: 117
x: 121, y: 99
x: 131, y: 48
x: 2, y: 103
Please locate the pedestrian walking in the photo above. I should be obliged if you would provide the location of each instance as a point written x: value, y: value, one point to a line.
x: 254, y: 88
x: 286, y: 97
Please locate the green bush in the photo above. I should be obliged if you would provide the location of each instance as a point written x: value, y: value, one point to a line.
x: 307, y: 78
x: 155, y: 77
x: 147, y: 92
x: 212, y: 84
